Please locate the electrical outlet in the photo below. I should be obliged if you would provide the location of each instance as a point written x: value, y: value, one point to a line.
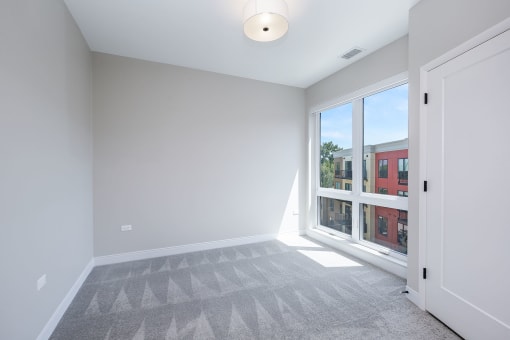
x: 41, y: 282
x: 126, y: 227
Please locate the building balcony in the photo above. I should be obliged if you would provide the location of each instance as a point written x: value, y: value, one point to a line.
x: 347, y: 174
x: 343, y: 174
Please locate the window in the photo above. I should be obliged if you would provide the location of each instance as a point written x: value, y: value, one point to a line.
x: 383, y: 168
x: 335, y: 144
x: 348, y: 169
x: 362, y: 148
x: 402, y: 171
x: 385, y: 138
x: 339, y: 218
x: 383, y: 225
x: 402, y: 193
x: 402, y: 164
x: 402, y: 230
x: 364, y: 221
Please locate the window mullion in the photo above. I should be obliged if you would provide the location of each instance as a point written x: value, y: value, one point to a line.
x: 357, y: 164
x: 317, y: 161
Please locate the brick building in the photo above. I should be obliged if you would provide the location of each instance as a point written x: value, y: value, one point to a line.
x: 385, y: 171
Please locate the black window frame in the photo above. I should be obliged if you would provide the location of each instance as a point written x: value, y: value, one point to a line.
x: 380, y: 168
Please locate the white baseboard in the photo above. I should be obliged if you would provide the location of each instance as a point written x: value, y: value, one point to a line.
x: 415, y: 298
x: 62, y: 307
x: 187, y: 248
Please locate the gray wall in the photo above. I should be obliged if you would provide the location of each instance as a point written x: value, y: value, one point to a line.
x: 46, y: 162
x: 435, y: 27
x: 186, y: 156
x: 381, y: 64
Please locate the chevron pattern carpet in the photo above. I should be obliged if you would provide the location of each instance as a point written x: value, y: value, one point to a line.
x: 268, y: 290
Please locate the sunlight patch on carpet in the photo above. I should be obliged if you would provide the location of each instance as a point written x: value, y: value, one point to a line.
x: 329, y: 259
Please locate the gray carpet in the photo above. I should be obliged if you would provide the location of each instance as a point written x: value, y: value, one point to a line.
x: 260, y: 291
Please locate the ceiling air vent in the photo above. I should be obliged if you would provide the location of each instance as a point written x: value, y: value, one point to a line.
x: 351, y: 53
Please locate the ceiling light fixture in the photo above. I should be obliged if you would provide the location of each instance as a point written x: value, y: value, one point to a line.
x: 266, y: 20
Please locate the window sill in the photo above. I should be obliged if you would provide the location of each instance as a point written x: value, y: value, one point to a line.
x: 386, y: 262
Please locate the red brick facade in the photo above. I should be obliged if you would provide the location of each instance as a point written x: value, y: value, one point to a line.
x: 393, y: 185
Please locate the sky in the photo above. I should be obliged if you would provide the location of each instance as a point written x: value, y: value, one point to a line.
x: 385, y: 119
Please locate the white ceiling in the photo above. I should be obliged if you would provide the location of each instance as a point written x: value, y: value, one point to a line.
x: 208, y: 34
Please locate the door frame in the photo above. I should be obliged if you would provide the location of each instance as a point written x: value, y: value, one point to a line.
x: 479, y: 39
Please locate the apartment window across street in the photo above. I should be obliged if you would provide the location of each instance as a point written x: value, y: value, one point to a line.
x: 402, y: 228
x: 362, y: 147
x: 383, y: 168
x: 402, y: 170
x: 383, y: 225
x: 402, y: 193
x: 348, y: 169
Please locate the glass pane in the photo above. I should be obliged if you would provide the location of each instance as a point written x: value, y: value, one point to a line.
x: 336, y: 214
x: 384, y: 226
x: 385, y: 141
x: 336, y: 148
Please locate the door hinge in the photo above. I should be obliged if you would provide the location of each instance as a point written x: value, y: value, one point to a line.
x: 425, y: 186
x: 424, y: 273
x: 426, y: 98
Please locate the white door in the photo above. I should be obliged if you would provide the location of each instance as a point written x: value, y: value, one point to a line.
x: 468, y: 196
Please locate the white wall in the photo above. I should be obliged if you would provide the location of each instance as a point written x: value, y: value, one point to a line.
x: 435, y: 27
x: 187, y: 156
x: 46, y: 162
